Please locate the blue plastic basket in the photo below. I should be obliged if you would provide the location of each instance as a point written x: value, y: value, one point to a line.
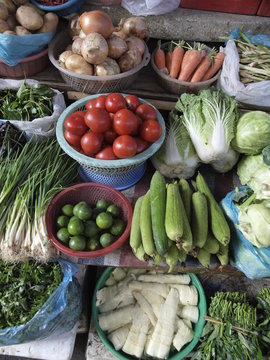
x: 69, y: 7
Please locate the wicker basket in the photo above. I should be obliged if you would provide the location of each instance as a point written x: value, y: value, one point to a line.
x: 68, y: 8
x: 92, y: 84
x: 27, y: 67
x: 178, y: 87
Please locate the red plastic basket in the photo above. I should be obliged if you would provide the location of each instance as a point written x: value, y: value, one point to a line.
x: 90, y: 193
x: 26, y: 67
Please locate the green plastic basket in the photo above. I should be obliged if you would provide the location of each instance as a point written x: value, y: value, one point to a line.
x: 198, y: 328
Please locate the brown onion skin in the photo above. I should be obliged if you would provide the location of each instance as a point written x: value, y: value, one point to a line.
x: 96, y: 21
x: 117, y: 46
x: 136, y: 26
x: 133, y: 42
x: 74, y: 27
x: 129, y: 60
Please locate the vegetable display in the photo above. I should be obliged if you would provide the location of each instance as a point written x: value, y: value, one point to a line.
x: 11, y: 140
x: 171, y: 221
x: 148, y: 313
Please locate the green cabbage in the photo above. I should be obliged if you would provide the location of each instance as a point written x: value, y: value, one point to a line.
x: 252, y: 133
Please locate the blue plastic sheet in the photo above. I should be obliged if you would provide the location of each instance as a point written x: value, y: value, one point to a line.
x: 252, y: 261
x: 255, y: 39
x: 14, y: 48
x: 58, y: 315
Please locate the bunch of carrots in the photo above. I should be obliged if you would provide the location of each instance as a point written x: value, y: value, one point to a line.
x: 192, y: 65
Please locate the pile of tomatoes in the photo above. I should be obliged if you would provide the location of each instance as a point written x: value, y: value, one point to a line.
x: 112, y: 127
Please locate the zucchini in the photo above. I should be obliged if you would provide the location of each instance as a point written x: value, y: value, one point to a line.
x: 199, y: 220
x: 204, y: 257
x: 186, y: 240
x: 182, y: 255
x: 173, y: 213
x: 140, y: 253
x: 146, y: 226
x: 172, y: 257
x: 135, y: 238
x: 223, y: 254
x: 211, y: 245
x: 158, y: 208
x: 186, y: 194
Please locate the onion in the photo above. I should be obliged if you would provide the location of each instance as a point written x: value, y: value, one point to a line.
x: 94, y: 48
x: 135, y: 26
x: 76, y: 45
x: 96, y: 21
x: 130, y: 60
x: 133, y: 42
x: 74, y: 26
x: 117, y: 46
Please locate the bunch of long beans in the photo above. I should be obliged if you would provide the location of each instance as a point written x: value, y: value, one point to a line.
x: 28, y: 182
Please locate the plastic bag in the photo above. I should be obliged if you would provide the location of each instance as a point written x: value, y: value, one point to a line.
x: 14, y: 48
x: 57, y: 316
x: 255, y: 94
x: 150, y: 7
x: 39, y: 128
x: 252, y: 261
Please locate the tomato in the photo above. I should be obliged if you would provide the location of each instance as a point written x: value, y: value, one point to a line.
x: 106, y: 153
x: 110, y: 136
x: 124, y: 146
x: 141, y: 144
x: 125, y: 122
x: 91, y: 104
x: 111, y: 116
x: 115, y: 102
x: 98, y: 120
x: 151, y: 130
x: 133, y: 102
x: 79, y: 112
x: 78, y: 148
x: 100, y: 101
x: 139, y: 123
x: 72, y: 139
x: 75, y: 124
x: 146, y: 112
x: 91, y: 142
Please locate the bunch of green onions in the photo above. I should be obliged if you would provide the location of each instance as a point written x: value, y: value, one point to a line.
x: 28, y: 182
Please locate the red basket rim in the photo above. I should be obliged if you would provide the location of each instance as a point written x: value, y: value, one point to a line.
x: 88, y: 254
x: 32, y: 57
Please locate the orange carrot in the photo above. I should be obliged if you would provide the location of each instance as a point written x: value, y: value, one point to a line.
x: 191, y: 60
x: 169, y: 57
x: 216, y: 65
x: 160, y: 59
x: 201, y: 69
x: 177, y: 58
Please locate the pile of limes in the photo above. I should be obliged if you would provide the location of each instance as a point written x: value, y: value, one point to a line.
x: 84, y: 227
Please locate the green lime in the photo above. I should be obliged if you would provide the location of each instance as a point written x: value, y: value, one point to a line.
x: 102, y: 204
x: 73, y: 218
x: 90, y: 228
x: 93, y: 243
x: 75, y: 227
x: 67, y: 210
x: 62, y: 221
x: 84, y: 212
x: 113, y: 210
x: 106, y: 239
x: 77, y: 206
x: 104, y: 220
x: 77, y: 242
x: 118, y: 227
x: 95, y: 213
x: 63, y: 235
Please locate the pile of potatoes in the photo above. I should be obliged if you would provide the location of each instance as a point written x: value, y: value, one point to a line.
x: 97, y: 54
x: 20, y: 17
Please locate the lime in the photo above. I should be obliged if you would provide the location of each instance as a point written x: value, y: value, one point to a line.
x: 63, y: 235
x: 67, y: 210
x: 84, y: 212
x: 113, y: 210
x: 75, y: 227
x: 73, y: 218
x: 77, y: 206
x: 93, y: 243
x: 102, y: 204
x: 62, y: 221
x: 106, y: 239
x: 95, y: 213
x: 77, y: 242
x: 118, y: 227
x: 104, y: 220
x: 90, y: 228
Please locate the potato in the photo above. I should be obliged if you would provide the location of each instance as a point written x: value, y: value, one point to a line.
x: 9, y: 32
x: 3, y: 26
x: 9, y: 5
x: 20, y: 30
x: 3, y: 12
x: 50, y: 23
x: 107, y: 68
x: 41, y: 12
x: 77, y: 64
x: 63, y: 57
x: 29, y: 18
x: 76, y: 46
x: 117, y: 46
x: 130, y: 60
x: 94, y: 48
x: 12, y: 22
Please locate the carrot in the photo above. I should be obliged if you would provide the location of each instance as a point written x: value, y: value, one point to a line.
x: 202, y: 67
x: 160, y: 59
x: 191, y: 60
x: 169, y: 57
x: 177, y: 58
x: 216, y: 65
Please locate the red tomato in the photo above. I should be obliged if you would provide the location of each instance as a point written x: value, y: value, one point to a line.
x: 75, y: 124
x: 106, y: 153
x: 79, y: 112
x: 115, y: 102
x: 77, y: 148
x: 110, y: 136
x: 100, y: 101
x: 111, y: 116
x: 146, y: 112
x: 91, y: 104
x: 125, y: 122
x: 133, y: 102
x: 72, y: 139
x: 139, y: 123
x: 124, y: 146
x: 141, y: 144
x: 98, y: 120
x: 151, y: 130
x: 91, y: 142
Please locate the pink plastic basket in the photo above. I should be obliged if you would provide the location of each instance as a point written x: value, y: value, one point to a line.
x: 27, y: 67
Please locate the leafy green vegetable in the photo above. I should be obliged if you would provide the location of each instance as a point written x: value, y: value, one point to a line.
x: 240, y: 196
x: 263, y: 311
x: 24, y: 288
x: 266, y: 155
x: 252, y: 133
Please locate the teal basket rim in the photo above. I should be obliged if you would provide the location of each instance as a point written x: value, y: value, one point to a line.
x: 106, y: 164
x: 175, y: 355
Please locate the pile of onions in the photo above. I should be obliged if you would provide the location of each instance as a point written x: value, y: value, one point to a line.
x: 96, y: 21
